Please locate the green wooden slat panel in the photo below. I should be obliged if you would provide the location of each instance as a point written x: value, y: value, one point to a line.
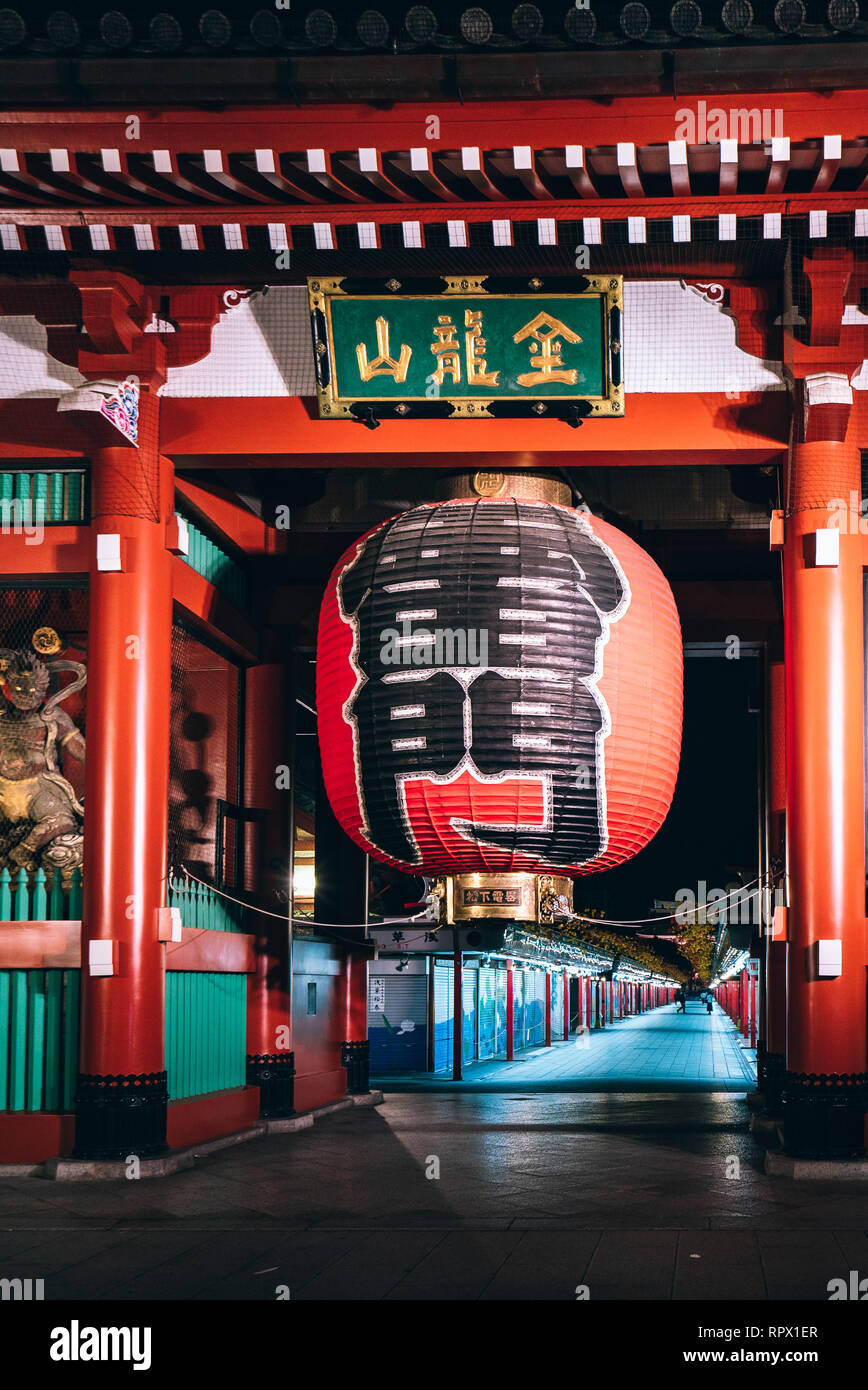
x: 227, y: 1032
x: 39, y: 906
x: 5, y: 896
x: 40, y: 497
x: 53, y: 1034
x: 21, y: 903
x: 56, y: 904
x: 75, y: 896
x: 35, y: 1037
x: 71, y: 1014
x: 75, y: 497
x: 183, y: 1008
x: 7, y: 487
x: 206, y: 1014
x: 5, y: 1001
x: 22, y: 486
x: 55, y: 497
x: 18, y: 1041
x: 197, y: 1076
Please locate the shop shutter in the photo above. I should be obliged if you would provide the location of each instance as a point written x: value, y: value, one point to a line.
x: 398, y: 1033
x: 442, y: 1017
x: 488, y: 1011
x: 557, y: 1005
x: 519, y: 981
x: 536, y: 1014
x: 470, y: 986
x: 500, y: 1012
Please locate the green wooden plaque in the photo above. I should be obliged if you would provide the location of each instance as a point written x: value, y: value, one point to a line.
x: 468, y: 350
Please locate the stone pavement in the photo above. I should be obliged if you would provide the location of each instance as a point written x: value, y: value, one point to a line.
x: 636, y: 1195
x: 660, y: 1050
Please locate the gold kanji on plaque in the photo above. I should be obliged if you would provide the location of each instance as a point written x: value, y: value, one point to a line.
x: 383, y: 364
x: 474, y: 343
x: 446, y: 350
x: 546, y: 364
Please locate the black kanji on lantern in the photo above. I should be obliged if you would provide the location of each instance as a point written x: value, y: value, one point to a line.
x: 479, y: 636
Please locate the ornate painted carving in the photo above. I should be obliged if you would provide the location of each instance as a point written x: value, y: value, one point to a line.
x: 40, y: 816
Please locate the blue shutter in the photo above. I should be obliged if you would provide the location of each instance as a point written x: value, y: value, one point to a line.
x: 488, y: 1011
x: 442, y: 1017
x: 399, y: 1035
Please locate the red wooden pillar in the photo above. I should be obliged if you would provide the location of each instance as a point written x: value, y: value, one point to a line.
x: 548, y: 1009
x: 566, y: 1006
x: 825, y: 798
x: 355, y: 1041
x: 510, y: 1012
x: 121, y: 1099
x: 269, y: 1039
x: 745, y: 1002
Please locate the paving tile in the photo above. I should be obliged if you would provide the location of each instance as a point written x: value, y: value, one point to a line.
x: 633, y: 1264
x: 373, y: 1267
x: 712, y: 1265
x: 460, y: 1267
x: 546, y: 1266
x: 799, y: 1264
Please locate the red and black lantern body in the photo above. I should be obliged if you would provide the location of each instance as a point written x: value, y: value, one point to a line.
x: 499, y: 688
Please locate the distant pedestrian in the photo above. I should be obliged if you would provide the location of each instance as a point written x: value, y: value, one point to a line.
x: 708, y: 1004
x: 681, y: 1001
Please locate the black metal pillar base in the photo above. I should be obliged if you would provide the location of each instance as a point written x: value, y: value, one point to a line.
x: 120, y: 1116
x: 824, y: 1114
x: 760, y: 1064
x: 356, y: 1057
x: 274, y: 1074
x: 771, y: 1071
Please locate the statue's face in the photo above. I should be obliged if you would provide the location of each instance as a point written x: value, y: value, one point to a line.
x: 25, y: 689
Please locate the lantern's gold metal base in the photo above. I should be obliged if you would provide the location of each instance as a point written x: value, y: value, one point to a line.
x: 540, y: 898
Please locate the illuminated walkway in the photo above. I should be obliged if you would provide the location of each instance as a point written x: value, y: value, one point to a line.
x: 658, y: 1051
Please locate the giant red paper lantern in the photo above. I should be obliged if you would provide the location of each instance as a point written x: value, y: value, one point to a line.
x: 499, y: 687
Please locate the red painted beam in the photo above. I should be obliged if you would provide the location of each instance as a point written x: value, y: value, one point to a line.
x: 220, y: 616
x: 57, y: 946
x: 709, y: 429
x: 40, y: 945
x: 62, y: 550
x: 489, y: 125
x: 239, y: 525
x: 225, y: 951
x: 617, y: 209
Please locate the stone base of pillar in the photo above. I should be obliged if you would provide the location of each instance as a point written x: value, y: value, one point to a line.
x: 356, y: 1057
x: 824, y: 1114
x: 120, y: 1116
x: 274, y: 1074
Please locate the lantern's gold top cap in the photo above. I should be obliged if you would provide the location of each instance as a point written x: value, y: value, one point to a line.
x: 520, y: 484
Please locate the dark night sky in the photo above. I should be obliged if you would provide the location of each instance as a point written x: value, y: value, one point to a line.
x: 711, y: 828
